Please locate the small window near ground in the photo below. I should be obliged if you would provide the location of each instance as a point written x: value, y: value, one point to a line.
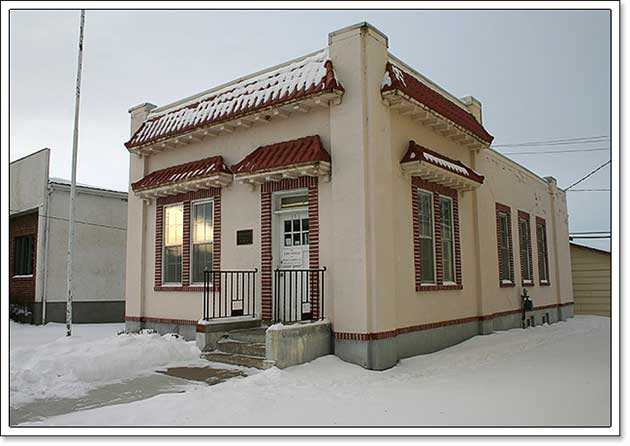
x: 426, y: 236
x: 446, y: 226
x: 173, y: 237
x: 202, y: 239
x: 24, y: 253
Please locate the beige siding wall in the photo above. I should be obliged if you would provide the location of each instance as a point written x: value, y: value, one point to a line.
x: 591, y: 281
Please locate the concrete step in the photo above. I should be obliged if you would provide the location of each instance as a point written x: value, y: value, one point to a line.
x: 254, y: 335
x: 242, y: 360
x: 241, y: 348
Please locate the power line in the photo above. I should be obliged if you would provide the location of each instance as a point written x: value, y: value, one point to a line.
x: 589, y: 190
x: 589, y: 232
x: 588, y: 237
x: 588, y: 175
x: 595, y: 149
x: 583, y: 140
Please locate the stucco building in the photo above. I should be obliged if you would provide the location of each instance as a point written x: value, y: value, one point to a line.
x: 38, y: 237
x: 407, y: 231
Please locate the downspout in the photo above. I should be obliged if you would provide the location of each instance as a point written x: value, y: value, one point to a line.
x: 477, y: 225
x: 46, y: 234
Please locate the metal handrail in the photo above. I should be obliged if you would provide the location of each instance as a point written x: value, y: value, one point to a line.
x: 228, y: 293
x: 298, y: 294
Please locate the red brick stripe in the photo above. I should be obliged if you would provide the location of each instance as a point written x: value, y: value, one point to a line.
x: 522, y: 215
x: 310, y: 183
x: 391, y: 333
x: 501, y: 208
x: 160, y: 320
x: 437, y: 189
x: 541, y: 221
x: 186, y: 199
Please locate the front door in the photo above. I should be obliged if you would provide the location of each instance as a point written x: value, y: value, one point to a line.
x: 292, y: 281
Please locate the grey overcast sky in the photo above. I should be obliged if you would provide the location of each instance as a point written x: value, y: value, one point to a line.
x: 541, y: 75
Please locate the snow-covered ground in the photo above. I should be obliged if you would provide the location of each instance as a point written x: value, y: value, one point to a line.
x: 45, y: 364
x: 556, y: 375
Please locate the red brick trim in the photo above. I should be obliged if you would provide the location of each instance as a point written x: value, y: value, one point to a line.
x: 522, y: 215
x: 541, y: 221
x: 437, y: 189
x: 160, y: 320
x: 501, y: 208
x: 185, y: 199
x: 310, y: 183
x: 392, y: 333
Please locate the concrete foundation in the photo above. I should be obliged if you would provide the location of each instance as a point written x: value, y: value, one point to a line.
x: 82, y: 312
x: 298, y: 343
x: 381, y: 354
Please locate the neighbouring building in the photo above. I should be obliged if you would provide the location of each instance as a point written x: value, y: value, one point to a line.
x: 38, y: 237
x: 341, y: 184
x: 591, y: 280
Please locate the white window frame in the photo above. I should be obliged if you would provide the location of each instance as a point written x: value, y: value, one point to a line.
x: 431, y: 194
x: 453, y: 260
x: 192, y: 238
x: 164, y: 245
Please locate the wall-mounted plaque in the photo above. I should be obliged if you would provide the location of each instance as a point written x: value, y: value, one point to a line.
x: 245, y: 237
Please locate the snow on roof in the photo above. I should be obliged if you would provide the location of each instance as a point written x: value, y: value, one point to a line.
x: 305, y: 76
x: 194, y: 170
x: 420, y: 153
x: 397, y: 78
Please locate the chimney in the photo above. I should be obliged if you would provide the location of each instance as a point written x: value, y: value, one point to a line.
x: 139, y: 114
x: 474, y: 107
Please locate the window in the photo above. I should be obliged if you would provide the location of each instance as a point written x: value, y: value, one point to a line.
x: 504, y: 244
x: 525, y: 248
x: 296, y: 232
x: 202, y: 239
x: 23, y: 258
x: 293, y: 201
x: 426, y: 236
x: 173, y: 237
x: 543, y: 259
x: 436, y: 244
x: 446, y: 223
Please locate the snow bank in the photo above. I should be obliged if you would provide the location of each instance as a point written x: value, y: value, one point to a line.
x: 69, y: 367
x: 552, y: 375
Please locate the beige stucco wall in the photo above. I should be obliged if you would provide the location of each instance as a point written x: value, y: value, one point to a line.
x: 240, y: 209
x: 366, y: 230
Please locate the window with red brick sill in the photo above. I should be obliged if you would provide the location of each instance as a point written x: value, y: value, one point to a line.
x: 525, y: 249
x: 185, y: 246
x: 437, y: 252
x: 543, y: 258
x: 504, y: 245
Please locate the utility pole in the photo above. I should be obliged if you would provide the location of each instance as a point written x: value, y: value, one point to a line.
x: 73, y: 184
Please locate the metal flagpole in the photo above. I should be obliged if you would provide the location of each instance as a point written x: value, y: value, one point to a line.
x: 73, y: 184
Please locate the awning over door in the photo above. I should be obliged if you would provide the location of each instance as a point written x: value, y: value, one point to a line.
x: 290, y: 159
x: 192, y: 176
x: 437, y: 168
